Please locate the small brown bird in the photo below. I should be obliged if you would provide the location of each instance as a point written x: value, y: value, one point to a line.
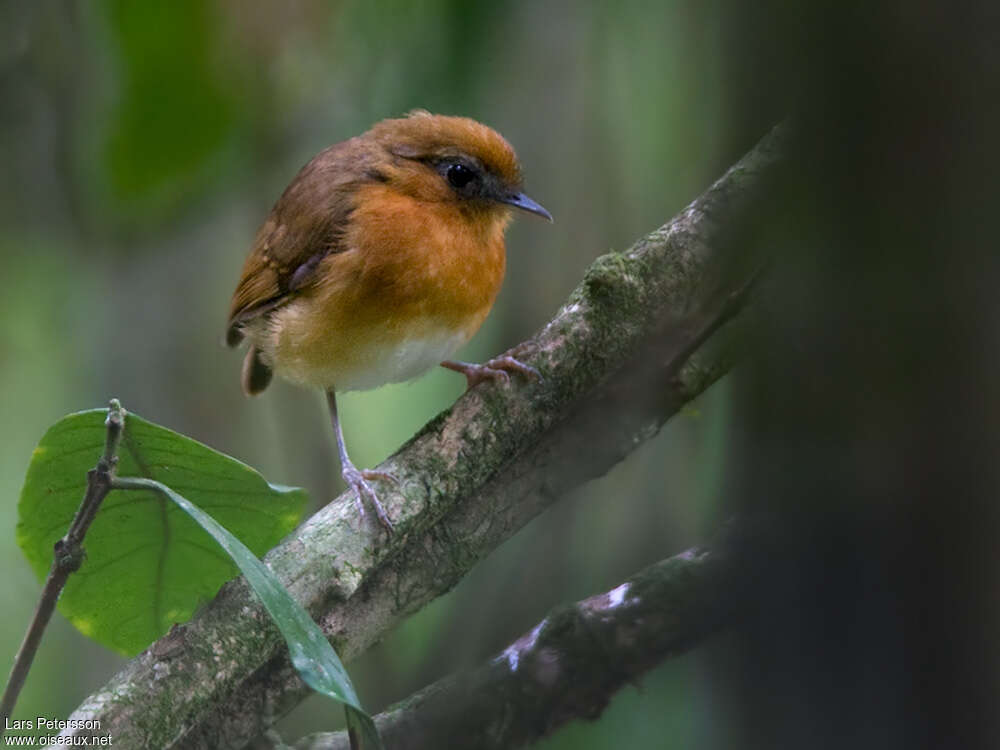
x: 381, y: 258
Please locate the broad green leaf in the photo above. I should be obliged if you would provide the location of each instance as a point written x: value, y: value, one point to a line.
x: 312, y: 655
x: 148, y: 564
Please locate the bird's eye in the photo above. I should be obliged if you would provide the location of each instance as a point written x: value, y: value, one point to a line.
x: 459, y: 175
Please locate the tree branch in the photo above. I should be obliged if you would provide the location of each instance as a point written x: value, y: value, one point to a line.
x: 625, y: 352
x: 566, y: 667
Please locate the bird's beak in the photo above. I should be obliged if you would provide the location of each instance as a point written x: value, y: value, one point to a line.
x: 523, y: 202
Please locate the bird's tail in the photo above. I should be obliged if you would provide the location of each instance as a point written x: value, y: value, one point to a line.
x: 256, y: 374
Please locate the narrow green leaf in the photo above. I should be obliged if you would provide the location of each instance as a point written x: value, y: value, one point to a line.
x: 148, y: 565
x: 311, y: 653
x: 364, y: 730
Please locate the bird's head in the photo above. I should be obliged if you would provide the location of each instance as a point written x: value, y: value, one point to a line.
x: 451, y: 159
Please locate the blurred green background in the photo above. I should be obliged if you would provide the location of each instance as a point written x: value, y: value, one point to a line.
x: 143, y: 144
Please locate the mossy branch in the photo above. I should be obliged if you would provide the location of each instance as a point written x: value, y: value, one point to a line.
x: 646, y: 331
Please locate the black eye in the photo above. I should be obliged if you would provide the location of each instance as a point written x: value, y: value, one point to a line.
x: 459, y: 175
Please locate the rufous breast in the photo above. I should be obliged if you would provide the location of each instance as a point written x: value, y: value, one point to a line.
x: 414, y: 283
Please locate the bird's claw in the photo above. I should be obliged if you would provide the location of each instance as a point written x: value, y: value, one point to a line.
x: 498, y: 368
x: 358, y: 480
x: 385, y: 476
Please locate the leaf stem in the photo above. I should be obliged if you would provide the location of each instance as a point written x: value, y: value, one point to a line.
x: 68, y: 555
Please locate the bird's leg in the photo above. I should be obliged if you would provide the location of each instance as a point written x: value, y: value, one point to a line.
x: 498, y: 368
x: 355, y: 478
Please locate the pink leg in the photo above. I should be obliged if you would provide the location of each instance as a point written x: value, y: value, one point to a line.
x: 498, y: 368
x: 355, y: 478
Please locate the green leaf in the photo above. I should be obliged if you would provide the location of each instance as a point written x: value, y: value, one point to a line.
x: 148, y: 564
x: 313, y: 656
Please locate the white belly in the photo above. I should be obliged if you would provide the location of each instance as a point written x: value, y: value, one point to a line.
x: 404, y: 361
x: 355, y: 363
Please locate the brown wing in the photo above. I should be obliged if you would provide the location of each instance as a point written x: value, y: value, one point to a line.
x: 305, y: 225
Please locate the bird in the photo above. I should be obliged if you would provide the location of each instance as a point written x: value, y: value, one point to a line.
x: 381, y: 258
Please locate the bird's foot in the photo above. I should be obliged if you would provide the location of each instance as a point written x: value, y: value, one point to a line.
x: 498, y: 368
x: 358, y: 479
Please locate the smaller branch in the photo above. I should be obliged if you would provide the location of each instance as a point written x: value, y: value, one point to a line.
x: 568, y: 666
x: 68, y: 556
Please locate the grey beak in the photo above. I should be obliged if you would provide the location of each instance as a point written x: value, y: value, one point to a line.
x: 523, y: 202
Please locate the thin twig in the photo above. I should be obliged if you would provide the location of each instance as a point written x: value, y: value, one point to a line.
x: 67, y: 558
